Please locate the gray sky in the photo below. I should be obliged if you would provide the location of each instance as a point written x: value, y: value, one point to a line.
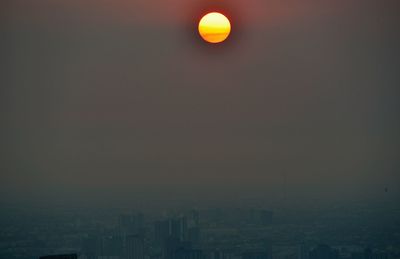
x: 121, y: 99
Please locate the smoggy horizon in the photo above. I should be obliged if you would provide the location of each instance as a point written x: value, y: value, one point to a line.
x: 121, y: 102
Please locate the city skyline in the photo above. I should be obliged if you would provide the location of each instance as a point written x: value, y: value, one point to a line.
x: 200, y: 129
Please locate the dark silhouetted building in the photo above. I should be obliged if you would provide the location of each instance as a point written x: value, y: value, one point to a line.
x: 134, y: 247
x: 172, y: 245
x: 174, y: 227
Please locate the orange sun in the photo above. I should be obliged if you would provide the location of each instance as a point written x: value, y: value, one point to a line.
x: 214, y: 27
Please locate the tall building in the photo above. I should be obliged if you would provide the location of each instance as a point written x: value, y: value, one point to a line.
x: 193, y: 218
x: 134, y: 247
x: 193, y: 229
x: 131, y: 224
x: 178, y: 228
x: 161, y: 232
x: 172, y: 245
x: 173, y: 227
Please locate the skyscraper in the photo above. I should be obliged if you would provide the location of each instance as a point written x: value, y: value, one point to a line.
x: 134, y: 247
x: 173, y: 227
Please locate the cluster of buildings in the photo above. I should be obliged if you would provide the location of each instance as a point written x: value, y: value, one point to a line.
x: 192, y: 234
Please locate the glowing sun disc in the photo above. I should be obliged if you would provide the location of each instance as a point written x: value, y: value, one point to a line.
x: 214, y: 27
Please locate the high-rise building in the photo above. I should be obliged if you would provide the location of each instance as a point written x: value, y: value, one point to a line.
x: 130, y: 224
x: 173, y: 227
x: 193, y: 229
x: 161, y: 231
x: 178, y: 228
x: 172, y: 245
x: 134, y: 247
x: 193, y: 218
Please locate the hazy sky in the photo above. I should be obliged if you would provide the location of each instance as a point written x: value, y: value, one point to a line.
x: 121, y: 99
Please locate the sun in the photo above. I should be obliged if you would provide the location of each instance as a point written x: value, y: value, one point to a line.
x: 214, y: 27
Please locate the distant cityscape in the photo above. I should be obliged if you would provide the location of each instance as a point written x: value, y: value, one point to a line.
x: 207, y: 233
